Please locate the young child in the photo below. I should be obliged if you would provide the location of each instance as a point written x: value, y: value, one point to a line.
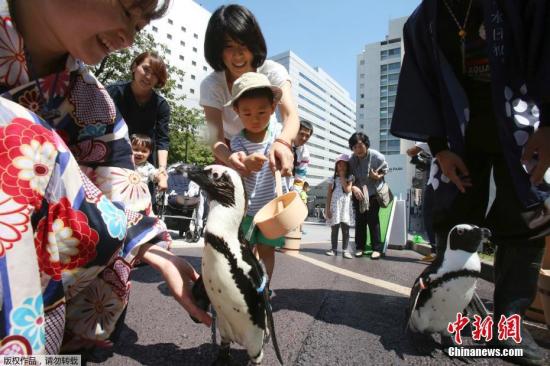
x: 339, y: 208
x: 141, y: 148
x: 254, y: 100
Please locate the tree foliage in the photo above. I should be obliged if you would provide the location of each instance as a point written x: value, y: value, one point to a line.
x: 184, y: 122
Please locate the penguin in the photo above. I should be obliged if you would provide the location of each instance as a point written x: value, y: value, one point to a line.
x: 447, y: 286
x: 234, y: 280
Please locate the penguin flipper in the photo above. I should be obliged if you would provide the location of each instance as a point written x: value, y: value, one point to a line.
x: 417, y: 289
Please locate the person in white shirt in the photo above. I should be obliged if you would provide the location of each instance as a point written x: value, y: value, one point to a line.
x: 234, y: 45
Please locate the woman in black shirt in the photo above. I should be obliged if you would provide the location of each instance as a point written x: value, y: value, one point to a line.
x: 143, y: 109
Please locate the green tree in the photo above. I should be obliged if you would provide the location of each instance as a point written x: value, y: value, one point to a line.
x: 185, y: 144
x: 184, y: 122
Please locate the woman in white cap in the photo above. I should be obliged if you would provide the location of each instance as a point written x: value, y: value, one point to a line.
x: 339, y: 208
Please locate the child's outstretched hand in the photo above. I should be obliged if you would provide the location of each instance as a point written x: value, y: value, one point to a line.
x: 255, y: 161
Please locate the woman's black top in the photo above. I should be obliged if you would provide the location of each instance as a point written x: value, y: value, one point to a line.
x: 151, y: 118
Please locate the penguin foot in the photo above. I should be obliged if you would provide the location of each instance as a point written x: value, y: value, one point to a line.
x: 224, y: 356
x: 424, y: 344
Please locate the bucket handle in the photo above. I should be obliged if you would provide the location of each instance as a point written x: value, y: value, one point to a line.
x: 279, y: 190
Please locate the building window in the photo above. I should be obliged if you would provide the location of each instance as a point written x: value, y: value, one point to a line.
x: 193, y: 77
x: 194, y: 63
x: 362, y: 62
x: 170, y: 21
x: 169, y: 52
x: 361, y: 86
x: 155, y: 29
x: 361, y: 106
x: 195, y: 35
x: 169, y: 36
x: 361, y: 126
x: 194, y: 49
x: 183, y: 29
x: 182, y: 43
x: 204, y: 68
x: 362, y: 76
x: 181, y: 57
x: 192, y: 91
x: 179, y: 86
x: 362, y: 95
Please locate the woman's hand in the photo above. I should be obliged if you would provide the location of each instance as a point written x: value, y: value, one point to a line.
x: 375, y: 175
x: 162, y: 181
x: 236, y: 161
x: 357, y: 193
x: 454, y: 168
x: 179, y: 276
x: 328, y: 214
x: 538, y: 142
x: 254, y: 162
x: 281, y: 158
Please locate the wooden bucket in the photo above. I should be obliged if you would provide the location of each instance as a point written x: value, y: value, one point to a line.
x: 293, y: 239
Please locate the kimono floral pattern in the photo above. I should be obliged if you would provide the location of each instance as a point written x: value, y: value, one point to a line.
x: 69, y: 230
x: 28, y: 321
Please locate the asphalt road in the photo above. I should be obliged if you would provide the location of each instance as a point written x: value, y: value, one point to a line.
x: 327, y: 311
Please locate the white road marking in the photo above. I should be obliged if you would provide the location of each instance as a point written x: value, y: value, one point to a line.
x: 402, y: 290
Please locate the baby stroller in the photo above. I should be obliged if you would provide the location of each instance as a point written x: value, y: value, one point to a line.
x: 181, y: 207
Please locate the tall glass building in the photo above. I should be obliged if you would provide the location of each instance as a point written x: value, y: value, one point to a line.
x: 378, y: 67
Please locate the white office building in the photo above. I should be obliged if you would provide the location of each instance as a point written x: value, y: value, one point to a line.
x: 330, y: 109
x: 182, y: 30
x: 378, y: 67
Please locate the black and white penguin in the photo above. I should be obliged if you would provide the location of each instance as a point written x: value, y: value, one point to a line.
x: 447, y: 285
x: 234, y: 279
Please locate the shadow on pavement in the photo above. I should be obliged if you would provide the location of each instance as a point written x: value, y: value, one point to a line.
x: 165, y: 353
x: 383, y: 315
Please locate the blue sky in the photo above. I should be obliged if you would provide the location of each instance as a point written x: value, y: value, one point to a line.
x: 324, y: 33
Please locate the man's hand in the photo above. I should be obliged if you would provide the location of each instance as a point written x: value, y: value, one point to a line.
x: 454, y: 168
x: 413, y: 151
x: 254, y: 162
x: 538, y: 144
x: 236, y: 161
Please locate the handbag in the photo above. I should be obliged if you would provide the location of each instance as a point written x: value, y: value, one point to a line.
x: 384, y: 195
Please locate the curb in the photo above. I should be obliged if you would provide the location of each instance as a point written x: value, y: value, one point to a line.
x: 425, y: 249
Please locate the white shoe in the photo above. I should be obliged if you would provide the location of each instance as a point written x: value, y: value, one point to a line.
x: 330, y: 252
x: 347, y: 255
x: 375, y: 255
x: 359, y: 253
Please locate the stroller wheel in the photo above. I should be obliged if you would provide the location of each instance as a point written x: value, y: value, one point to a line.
x: 189, y: 236
x: 181, y: 233
x: 196, y: 236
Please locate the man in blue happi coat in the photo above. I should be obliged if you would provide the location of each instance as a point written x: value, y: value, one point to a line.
x: 475, y: 84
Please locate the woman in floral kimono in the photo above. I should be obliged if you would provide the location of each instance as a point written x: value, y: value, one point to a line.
x: 71, y: 207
